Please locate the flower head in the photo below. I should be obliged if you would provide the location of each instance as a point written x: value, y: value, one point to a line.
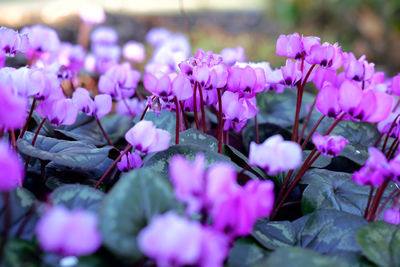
x: 129, y: 162
x: 329, y: 145
x: 12, y: 174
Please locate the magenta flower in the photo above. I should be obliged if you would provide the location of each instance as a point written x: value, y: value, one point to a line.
x: 146, y: 138
x: 43, y: 41
x: 13, y: 107
x: 68, y: 233
x: 133, y: 107
x: 188, y: 181
x: 357, y: 70
x: 103, y: 58
x: 12, y: 174
x: 246, y: 80
x: 323, y: 76
x: 104, y: 36
x: 233, y: 55
x: 395, y: 85
x: 180, y: 245
x: 375, y: 170
x: 293, y: 46
x: 385, y: 125
x: 129, y: 162
x: 58, y: 111
x: 364, y: 105
x: 327, y: 101
x: 166, y: 90
x: 275, y: 155
x: 156, y: 36
x: 392, y: 215
x: 291, y: 74
x: 329, y: 145
x: 11, y: 42
x: 326, y: 55
x: 120, y: 81
x: 71, y: 57
x: 82, y: 100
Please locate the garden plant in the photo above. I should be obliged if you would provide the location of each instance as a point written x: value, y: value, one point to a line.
x: 197, y: 160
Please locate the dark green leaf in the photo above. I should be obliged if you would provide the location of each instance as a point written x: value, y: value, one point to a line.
x: 297, y: 257
x: 195, y: 137
x: 138, y: 196
x: 328, y: 231
x: 265, y: 130
x: 335, y: 190
x: 273, y: 235
x: 74, y: 154
x: 77, y: 197
x: 18, y: 253
x: 245, y: 252
x: 380, y: 242
x: 116, y: 126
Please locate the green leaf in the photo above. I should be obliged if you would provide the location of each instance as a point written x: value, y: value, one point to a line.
x: 351, y: 259
x: 74, y: 154
x: 320, y: 162
x: 265, y: 130
x: 116, y: 126
x: 335, y: 190
x: 166, y: 120
x: 245, y: 252
x: 280, y: 109
x: 77, y: 197
x: 18, y: 252
x: 380, y: 242
x: 159, y: 161
x: 195, y: 137
x: 138, y: 196
x: 297, y: 257
x: 328, y: 231
x: 22, y: 211
x: 89, y: 133
x: 273, y: 235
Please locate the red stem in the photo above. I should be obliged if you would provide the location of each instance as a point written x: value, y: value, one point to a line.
x: 196, y: 119
x: 183, y: 115
x: 128, y: 108
x: 13, y: 141
x: 104, y: 132
x: 33, y: 143
x: 126, y: 150
x: 203, y: 114
x: 28, y: 119
x: 394, y: 193
x: 177, y: 121
x: 371, y: 192
x: 312, y: 132
x: 220, y: 122
x: 144, y: 112
x: 256, y: 129
x: 306, y: 121
x: 377, y: 199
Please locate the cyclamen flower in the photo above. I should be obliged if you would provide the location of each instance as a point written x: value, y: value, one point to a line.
x: 293, y: 46
x: 58, y: 111
x: 275, y: 155
x: 104, y: 36
x: 329, y: 145
x: 364, y: 105
x: 43, y: 41
x: 357, y: 69
x: 129, y: 162
x: 11, y: 42
x: 326, y: 55
x: 395, y: 85
x: 68, y: 233
x: 162, y: 86
x: 323, y: 76
x: 12, y: 174
x: 375, y: 170
x: 99, y: 107
x: 233, y: 55
x: 391, y: 123
x: 156, y: 36
x: 246, y: 80
x: 131, y: 107
x: 134, y: 51
x: 291, y: 74
x: 120, y: 81
x: 327, y: 101
x: 192, y: 244
x: 146, y: 138
x: 71, y: 57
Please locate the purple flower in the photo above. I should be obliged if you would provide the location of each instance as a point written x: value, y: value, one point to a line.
x: 11, y: 42
x: 68, y: 233
x: 71, y: 56
x: 233, y: 55
x: 43, y: 41
x: 134, y: 51
x: 146, y: 138
x: 329, y: 145
x: 188, y: 181
x: 13, y: 107
x: 364, y: 105
x: 275, y: 155
x: 357, y: 70
x: 156, y: 36
x: 385, y: 125
x: 104, y: 36
x: 103, y: 58
x: 246, y: 80
x: 375, y: 170
x: 392, y: 215
x: 395, y: 85
x: 326, y: 55
x: 82, y: 100
x: 293, y: 46
x: 129, y: 162
x: 179, y: 246
x: 58, y: 111
x: 12, y: 174
x: 291, y: 74
x: 133, y: 105
x: 92, y: 14
x: 119, y: 81
x: 323, y: 76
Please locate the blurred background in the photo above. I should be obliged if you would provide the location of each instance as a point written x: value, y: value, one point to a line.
x: 370, y: 27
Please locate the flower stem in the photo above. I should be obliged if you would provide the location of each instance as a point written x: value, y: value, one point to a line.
x: 306, y: 121
x: 371, y: 192
x: 312, y: 132
x: 177, y: 121
x: 104, y: 132
x: 220, y: 123
x: 377, y: 199
x: 203, y: 114
x: 127, y: 107
x: 28, y: 119
x: 256, y: 129
x: 13, y: 141
x: 196, y: 119
x: 126, y: 150
x: 394, y: 193
x: 183, y: 115
x: 28, y: 158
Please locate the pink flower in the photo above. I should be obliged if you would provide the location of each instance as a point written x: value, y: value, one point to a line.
x: 43, y: 41
x: 133, y: 105
x: 58, y: 111
x: 392, y: 215
x: 129, y: 162
x: 11, y: 42
x: 104, y: 36
x: 291, y: 74
x: 188, y: 181
x: 180, y: 245
x: 12, y: 174
x: 68, y: 233
x: 326, y: 55
x: 275, y: 155
x: 233, y: 55
x: 327, y: 101
x: 329, y: 145
x: 146, y: 138
x: 293, y: 46
x: 134, y: 51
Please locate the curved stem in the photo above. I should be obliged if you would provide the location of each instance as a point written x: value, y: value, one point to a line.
x: 126, y: 150
x: 371, y: 192
x: 183, y: 115
x: 177, y: 121
x: 28, y: 158
x: 128, y: 108
x: 312, y: 132
x: 377, y: 199
x: 104, y: 132
x: 196, y: 119
x: 220, y: 122
x: 388, y: 133
x: 394, y: 193
x: 306, y: 121
x: 203, y: 114
x: 13, y: 141
x: 28, y: 119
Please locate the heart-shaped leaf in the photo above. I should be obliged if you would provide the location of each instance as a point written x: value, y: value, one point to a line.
x: 273, y: 235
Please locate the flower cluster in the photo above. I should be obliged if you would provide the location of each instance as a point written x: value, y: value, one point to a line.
x: 227, y: 209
